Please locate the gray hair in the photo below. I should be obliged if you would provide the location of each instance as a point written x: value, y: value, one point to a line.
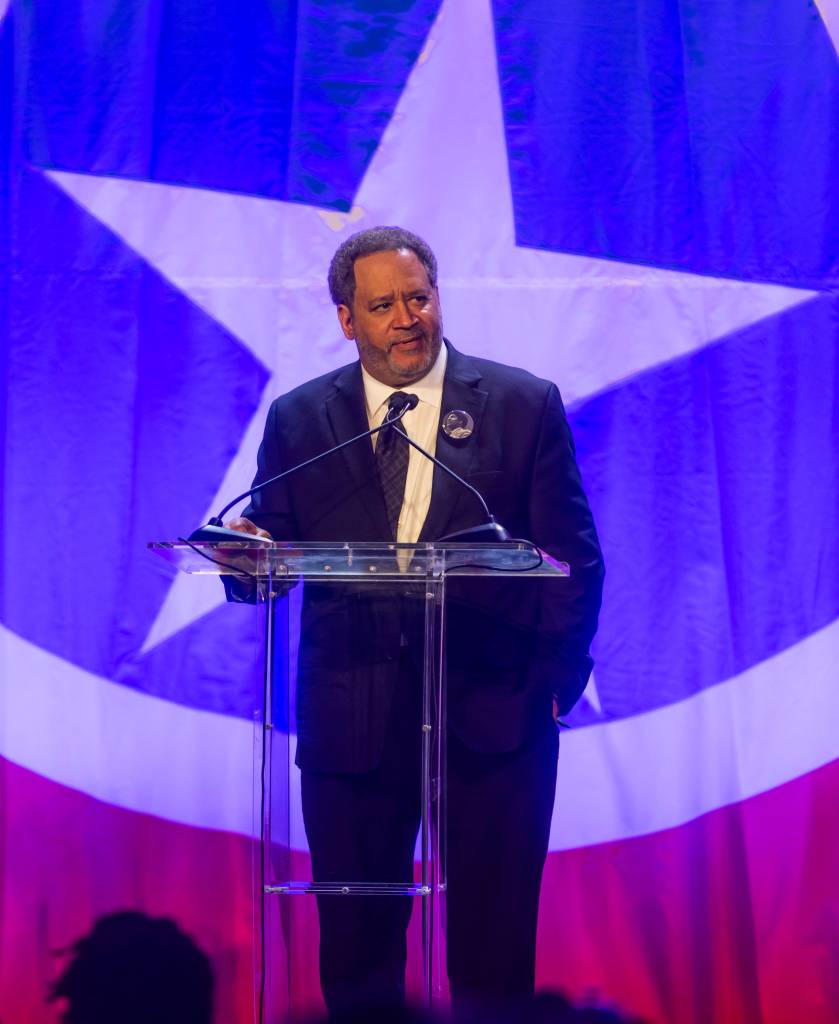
x: 341, y: 276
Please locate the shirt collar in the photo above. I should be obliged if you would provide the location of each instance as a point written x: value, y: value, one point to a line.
x: 428, y: 389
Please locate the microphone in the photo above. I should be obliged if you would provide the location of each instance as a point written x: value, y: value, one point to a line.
x: 215, y: 531
x: 488, y: 532
x: 401, y: 403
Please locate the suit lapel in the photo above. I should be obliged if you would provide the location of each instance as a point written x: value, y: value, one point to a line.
x: 346, y: 413
x: 460, y: 391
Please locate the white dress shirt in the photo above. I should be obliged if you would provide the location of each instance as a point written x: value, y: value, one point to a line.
x: 420, y: 425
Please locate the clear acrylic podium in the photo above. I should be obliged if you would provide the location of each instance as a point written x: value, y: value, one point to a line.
x: 374, y: 578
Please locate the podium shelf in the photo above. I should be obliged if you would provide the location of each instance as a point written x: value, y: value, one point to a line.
x: 361, y: 561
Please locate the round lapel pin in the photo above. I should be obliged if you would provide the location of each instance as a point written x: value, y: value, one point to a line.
x: 457, y: 424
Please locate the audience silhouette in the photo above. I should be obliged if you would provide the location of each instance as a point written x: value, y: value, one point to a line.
x: 134, y: 969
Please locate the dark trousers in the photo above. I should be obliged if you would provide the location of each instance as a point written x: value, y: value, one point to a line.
x: 364, y: 828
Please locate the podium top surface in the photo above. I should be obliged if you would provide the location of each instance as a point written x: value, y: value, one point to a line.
x: 358, y: 561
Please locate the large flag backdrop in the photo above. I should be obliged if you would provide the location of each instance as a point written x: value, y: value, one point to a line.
x: 637, y: 200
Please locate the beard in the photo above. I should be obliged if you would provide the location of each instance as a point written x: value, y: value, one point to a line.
x: 397, y: 363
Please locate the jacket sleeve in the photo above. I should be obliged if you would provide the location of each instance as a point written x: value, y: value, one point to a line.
x: 562, y: 524
x: 270, y: 508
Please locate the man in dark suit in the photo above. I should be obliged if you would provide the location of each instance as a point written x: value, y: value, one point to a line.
x: 517, y: 653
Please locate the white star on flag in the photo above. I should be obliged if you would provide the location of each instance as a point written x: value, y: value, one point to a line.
x: 258, y: 265
x: 829, y: 11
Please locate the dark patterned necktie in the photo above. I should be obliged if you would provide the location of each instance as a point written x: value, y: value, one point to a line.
x: 392, y: 460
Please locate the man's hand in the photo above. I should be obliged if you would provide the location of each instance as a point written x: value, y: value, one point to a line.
x: 558, y: 722
x: 246, y: 526
x: 239, y: 589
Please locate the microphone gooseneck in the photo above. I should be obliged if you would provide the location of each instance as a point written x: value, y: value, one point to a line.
x: 490, y: 531
x: 215, y: 530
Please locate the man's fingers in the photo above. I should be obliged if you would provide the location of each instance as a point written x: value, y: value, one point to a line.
x: 246, y: 526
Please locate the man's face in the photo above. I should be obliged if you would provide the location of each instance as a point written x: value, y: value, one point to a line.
x: 395, y: 317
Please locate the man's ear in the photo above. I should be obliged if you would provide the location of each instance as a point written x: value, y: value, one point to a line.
x: 346, y: 322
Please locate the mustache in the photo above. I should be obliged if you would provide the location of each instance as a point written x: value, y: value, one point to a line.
x: 416, y: 336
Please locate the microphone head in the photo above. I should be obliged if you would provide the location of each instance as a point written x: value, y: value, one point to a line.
x: 399, y: 402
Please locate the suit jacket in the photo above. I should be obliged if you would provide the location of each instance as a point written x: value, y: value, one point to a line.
x: 511, y: 644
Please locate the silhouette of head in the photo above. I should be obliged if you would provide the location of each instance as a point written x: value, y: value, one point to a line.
x: 134, y: 969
